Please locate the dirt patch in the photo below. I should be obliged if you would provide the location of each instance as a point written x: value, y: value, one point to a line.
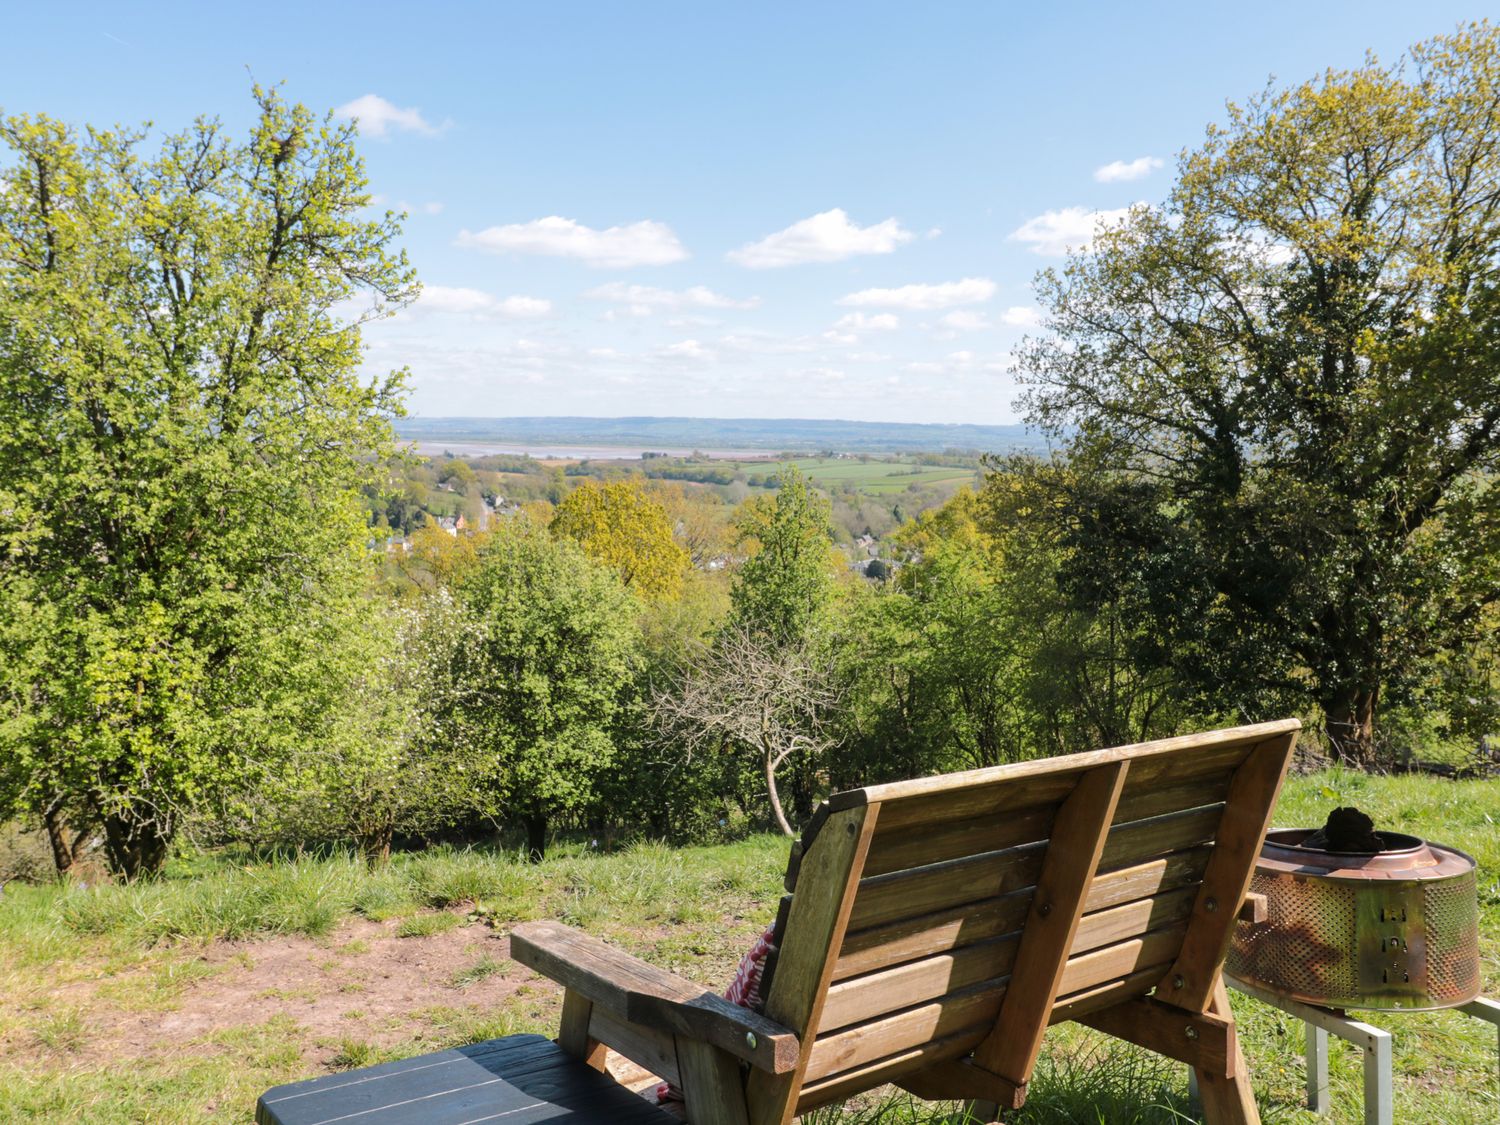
x: 361, y: 983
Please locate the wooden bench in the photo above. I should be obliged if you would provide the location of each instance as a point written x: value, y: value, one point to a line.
x: 933, y: 930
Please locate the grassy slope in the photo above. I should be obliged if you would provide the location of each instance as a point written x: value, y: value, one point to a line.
x: 692, y: 910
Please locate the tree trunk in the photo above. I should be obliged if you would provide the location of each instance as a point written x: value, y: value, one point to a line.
x: 768, y: 762
x: 1349, y: 720
x: 57, y: 836
x: 134, y: 848
x: 536, y: 837
x: 375, y: 845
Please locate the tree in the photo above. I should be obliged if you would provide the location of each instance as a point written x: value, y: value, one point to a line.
x: 618, y: 525
x: 787, y: 581
x: 434, y: 559
x: 539, y: 672
x: 380, y: 761
x: 183, y: 432
x: 1283, y: 396
x: 754, y: 694
x: 699, y: 519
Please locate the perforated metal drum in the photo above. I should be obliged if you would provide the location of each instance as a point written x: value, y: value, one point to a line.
x: 1395, y: 929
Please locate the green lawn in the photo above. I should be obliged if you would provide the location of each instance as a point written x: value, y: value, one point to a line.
x: 76, y: 965
x: 875, y: 478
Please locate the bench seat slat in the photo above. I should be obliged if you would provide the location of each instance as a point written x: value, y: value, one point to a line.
x: 521, y: 1079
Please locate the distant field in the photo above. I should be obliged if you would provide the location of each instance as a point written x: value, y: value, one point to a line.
x: 873, y: 478
x: 877, y: 478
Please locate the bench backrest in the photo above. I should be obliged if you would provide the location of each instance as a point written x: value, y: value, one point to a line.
x: 962, y: 914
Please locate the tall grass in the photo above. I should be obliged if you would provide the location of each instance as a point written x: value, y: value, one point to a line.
x: 649, y: 883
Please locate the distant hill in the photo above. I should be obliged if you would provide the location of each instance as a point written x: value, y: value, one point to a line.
x: 773, y: 434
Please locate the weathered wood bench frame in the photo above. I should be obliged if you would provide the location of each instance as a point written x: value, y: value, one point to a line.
x: 936, y: 928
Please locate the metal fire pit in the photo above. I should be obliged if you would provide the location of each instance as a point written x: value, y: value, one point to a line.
x: 1396, y: 929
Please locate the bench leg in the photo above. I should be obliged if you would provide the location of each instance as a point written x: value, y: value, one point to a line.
x: 573, y: 1034
x: 711, y: 1084
x: 1227, y: 1101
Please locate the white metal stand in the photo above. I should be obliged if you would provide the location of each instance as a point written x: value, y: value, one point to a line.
x: 1373, y: 1043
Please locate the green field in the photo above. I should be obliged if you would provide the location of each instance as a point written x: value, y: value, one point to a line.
x: 875, y: 478
x: 180, y: 1000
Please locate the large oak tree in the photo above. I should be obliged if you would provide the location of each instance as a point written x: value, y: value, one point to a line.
x: 183, y: 430
x: 1285, y: 385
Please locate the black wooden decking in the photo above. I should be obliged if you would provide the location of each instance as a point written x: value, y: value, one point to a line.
x: 518, y: 1080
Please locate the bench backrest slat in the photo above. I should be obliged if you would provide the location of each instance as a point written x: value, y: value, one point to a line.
x: 925, y: 888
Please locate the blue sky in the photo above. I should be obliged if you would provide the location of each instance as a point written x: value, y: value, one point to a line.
x: 753, y: 210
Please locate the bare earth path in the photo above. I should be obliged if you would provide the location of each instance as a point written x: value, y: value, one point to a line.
x: 362, y: 983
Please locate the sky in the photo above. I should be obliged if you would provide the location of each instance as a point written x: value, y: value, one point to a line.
x: 804, y: 210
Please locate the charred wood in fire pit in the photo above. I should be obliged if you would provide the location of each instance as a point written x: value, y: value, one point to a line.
x: 1346, y: 830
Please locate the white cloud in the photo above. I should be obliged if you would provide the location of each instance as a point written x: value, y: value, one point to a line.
x: 867, y: 322
x: 965, y: 321
x: 959, y: 363
x: 643, y: 300
x: 1021, y: 316
x: 828, y: 236
x: 477, y: 303
x: 1119, y: 171
x: 431, y: 208
x: 969, y: 291
x: 766, y: 343
x: 847, y: 328
x: 378, y: 117
x: 645, y: 243
x: 688, y: 349
x: 1071, y: 228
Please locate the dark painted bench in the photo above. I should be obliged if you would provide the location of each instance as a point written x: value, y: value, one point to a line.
x: 518, y: 1080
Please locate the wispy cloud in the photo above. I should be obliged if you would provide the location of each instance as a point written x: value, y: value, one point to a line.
x: 644, y: 243
x: 969, y: 291
x: 379, y: 118
x: 847, y: 329
x: 965, y: 320
x: 691, y: 350
x: 477, y: 303
x: 1021, y: 316
x: 1054, y: 233
x: 829, y: 236
x: 1120, y: 171
x: 643, y: 300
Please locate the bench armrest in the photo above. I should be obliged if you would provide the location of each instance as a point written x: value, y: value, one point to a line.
x: 631, y: 989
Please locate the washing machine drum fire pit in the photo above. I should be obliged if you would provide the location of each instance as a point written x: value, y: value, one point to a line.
x: 1393, y: 929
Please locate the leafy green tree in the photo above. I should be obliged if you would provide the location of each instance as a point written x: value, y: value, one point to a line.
x: 976, y: 655
x: 459, y: 473
x: 787, y: 581
x: 183, y: 431
x: 618, y: 525
x: 539, y: 673
x: 1283, y: 395
x: 379, y: 761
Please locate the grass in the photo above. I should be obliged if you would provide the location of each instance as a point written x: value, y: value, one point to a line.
x: 425, y: 925
x: 691, y: 910
x: 482, y: 969
x: 874, y: 477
